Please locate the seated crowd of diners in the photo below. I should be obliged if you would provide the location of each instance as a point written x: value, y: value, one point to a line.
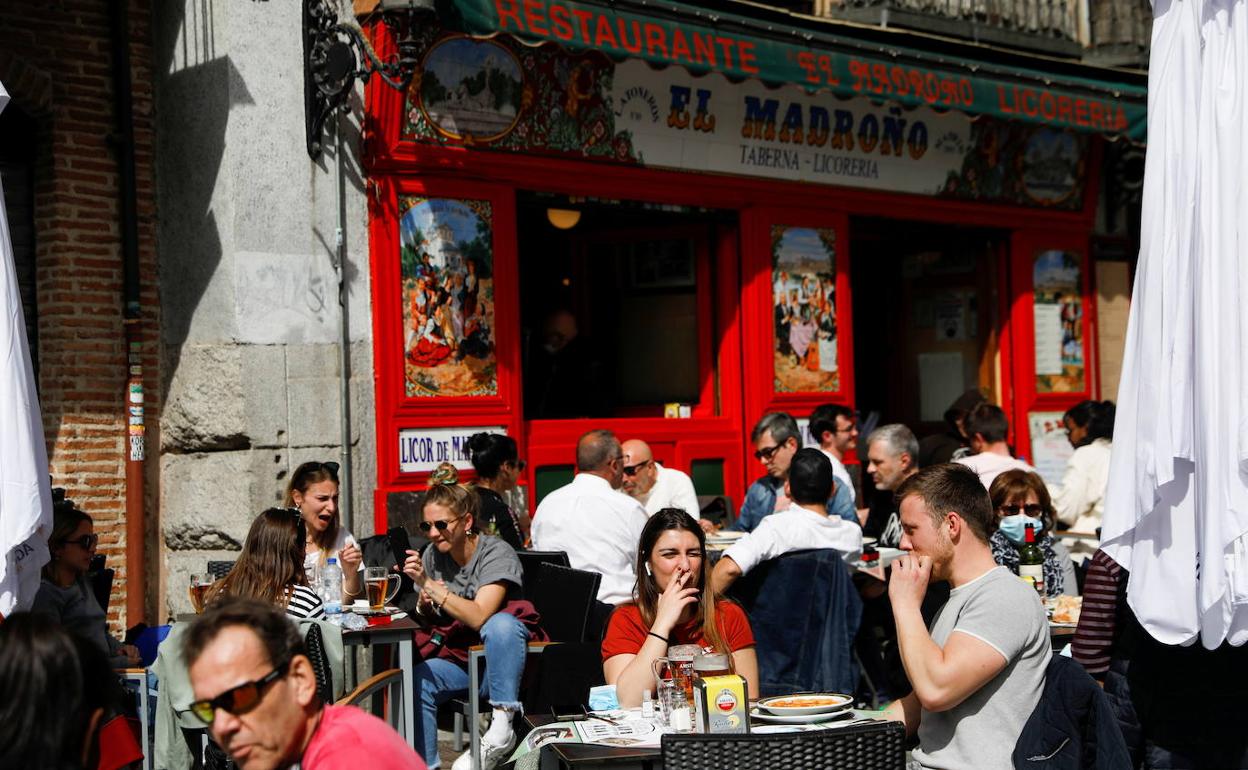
x: 971, y: 653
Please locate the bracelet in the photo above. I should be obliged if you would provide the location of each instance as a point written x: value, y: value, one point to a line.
x: 442, y: 603
x: 660, y: 638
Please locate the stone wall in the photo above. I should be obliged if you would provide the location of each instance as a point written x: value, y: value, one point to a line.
x: 56, y: 62
x: 250, y: 298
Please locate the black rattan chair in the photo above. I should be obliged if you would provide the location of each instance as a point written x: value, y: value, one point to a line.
x: 877, y: 746
x: 219, y: 569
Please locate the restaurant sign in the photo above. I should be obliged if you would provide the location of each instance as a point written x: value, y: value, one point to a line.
x: 545, y: 100
x: 703, y: 43
x: 421, y: 450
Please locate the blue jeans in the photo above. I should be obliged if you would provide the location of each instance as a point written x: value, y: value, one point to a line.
x: 438, y: 680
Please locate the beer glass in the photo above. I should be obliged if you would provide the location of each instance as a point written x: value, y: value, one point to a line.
x: 678, y: 667
x: 375, y: 584
x: 200, y: 585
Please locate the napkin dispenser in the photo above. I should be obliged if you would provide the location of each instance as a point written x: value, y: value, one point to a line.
x: 720, y: 704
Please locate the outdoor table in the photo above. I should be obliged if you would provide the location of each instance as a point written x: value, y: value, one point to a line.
x: 590, y: 756
x: 400, y: 633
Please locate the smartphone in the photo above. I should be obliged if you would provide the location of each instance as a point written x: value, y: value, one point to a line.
x: 569, y: 713
x: 399, y: 544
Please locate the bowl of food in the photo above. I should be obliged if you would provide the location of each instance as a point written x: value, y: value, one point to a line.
x: 800, y: 704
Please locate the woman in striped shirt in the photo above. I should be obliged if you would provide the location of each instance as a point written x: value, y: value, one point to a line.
x: 270, y: 567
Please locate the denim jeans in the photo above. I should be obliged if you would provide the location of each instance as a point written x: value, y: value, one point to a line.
x: 439, y: 680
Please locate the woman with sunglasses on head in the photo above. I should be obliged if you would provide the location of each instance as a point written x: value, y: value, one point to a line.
x: 313, y: 491
x: 672, y: 605
x: 270, y: 567
x: 65, y: 596
x: 467, y: 577
x: 1020, y: 499
x: 497, y: 462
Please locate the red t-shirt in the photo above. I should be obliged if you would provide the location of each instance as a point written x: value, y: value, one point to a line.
x: 348, y: 736
x: 627, y: 632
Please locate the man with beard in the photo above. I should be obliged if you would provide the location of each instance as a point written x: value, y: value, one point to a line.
x: 892, y: 451
x: 979, y: 672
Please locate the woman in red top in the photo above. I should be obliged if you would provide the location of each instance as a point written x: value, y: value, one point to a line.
x: 672, y: 606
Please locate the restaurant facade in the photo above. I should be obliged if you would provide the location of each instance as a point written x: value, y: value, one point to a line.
x: 668, y: 222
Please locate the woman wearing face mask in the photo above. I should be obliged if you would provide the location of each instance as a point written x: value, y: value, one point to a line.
x: 672, y: 605
x: 1080, y: 501
x: 65, y: 596
x: 313, y: 491
x: 1021, y: 499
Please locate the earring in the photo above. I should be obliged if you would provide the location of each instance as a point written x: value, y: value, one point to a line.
x: 648, y: 571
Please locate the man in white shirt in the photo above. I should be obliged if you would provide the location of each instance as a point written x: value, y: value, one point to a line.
x: 598, y: 526
x: 654, y: 486
x: 836, y: 429
x: 804, y: 525
x: 979, y: 672
x: 988, y: 430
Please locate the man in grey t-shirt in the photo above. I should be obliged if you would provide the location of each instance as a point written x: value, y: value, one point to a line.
x: 978, y: 674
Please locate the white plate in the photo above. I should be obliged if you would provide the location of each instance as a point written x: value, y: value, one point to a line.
x: 724, y: 536
x: 800, y: 719
x: 837, y: 702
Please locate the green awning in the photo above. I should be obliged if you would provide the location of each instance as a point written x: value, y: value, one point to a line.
x: 709, y: 41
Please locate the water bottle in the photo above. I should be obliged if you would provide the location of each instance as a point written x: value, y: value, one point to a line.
x: 329, y: 586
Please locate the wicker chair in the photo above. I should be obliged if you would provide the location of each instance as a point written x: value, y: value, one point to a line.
x: 878, y: 746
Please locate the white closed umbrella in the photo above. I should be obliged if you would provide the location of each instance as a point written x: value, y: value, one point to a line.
x: 1176, y: 512
x: 25, y: 494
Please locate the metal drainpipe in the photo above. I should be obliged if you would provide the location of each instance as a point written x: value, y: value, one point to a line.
x: 123, y: 141
x: 346, y: 510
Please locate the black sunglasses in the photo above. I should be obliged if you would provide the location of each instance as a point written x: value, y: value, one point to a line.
x: 86, y: 542
x: 631, y: 470
x: 766, y: 454
x: 237, y: 700
x: 519, y: 465
x: 442, y: 526
x: 1031, y: 509
x: 331, y: 467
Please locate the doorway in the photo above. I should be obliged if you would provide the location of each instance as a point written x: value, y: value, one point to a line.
x: 926, y: 320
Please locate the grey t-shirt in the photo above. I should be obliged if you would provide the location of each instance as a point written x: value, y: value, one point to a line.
x: 980, y: 732
x: 493, y: 561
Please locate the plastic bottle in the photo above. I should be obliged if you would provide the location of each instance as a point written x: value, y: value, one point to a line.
x: 329, y: 587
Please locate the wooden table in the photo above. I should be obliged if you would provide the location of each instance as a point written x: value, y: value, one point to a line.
x: 401, y: 633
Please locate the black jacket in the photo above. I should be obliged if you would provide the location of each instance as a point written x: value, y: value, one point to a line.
x: 1073, y: 726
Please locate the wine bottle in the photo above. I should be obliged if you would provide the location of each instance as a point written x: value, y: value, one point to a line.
x: 1031, y: 562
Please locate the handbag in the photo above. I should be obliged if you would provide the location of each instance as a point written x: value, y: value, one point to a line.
x: 450, y: 640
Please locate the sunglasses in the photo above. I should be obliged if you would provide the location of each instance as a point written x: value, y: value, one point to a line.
x: 237, y: 700
x: 519, y: 465
x: 766, y: 454
x: 442, y: 526
x: 1031, y: 509
x: 631, y: 470
x: 86, y: 542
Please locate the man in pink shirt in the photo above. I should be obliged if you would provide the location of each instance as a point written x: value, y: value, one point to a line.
x: 256, y: 691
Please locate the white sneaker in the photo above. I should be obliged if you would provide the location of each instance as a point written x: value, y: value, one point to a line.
x: 491, y: 754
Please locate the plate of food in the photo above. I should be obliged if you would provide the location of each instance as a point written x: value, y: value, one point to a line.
x: 724, y: 536
x: 1064, y: 610
x: 800, y: 719
x: 806, y: 703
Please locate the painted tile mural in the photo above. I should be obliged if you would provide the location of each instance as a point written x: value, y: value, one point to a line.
x: 803, y: 279
x: 446, y: 257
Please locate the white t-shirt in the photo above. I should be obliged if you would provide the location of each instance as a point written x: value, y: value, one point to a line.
x: 989, y: 465
x: 795, y: 529
x: 312, y: 560
x: 980, y: 732
x: 672, y: 489
x: 598, y: 527
x: 839, y: 470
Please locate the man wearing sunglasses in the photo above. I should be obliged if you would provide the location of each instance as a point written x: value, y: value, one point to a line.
x: 256, y: 691
x: 656, y: 487
x: 776, y: 439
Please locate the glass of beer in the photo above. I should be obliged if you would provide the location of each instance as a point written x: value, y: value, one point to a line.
x: 678, y: 666
x: 376, y: 580
x: 200, y: 586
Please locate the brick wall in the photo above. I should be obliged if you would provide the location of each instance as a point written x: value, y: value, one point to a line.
x: 55, y: 61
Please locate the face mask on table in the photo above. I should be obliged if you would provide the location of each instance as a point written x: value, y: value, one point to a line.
x: 1015, y: 527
